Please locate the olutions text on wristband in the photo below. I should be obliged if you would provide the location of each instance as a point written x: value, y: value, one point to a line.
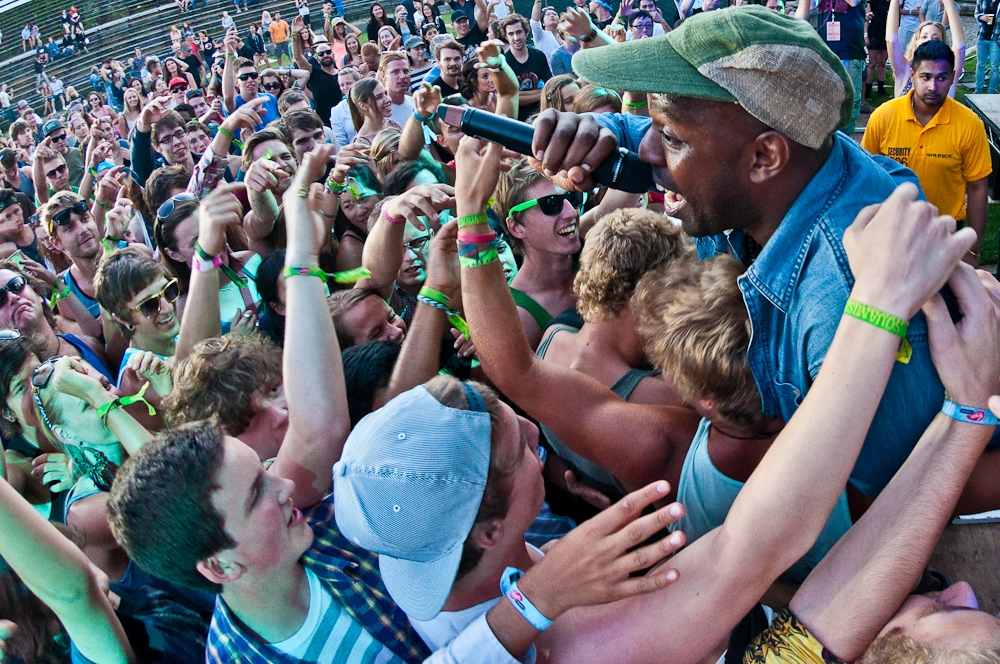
x: 508, y: 586
x: 876, y: 317
x: 473, y: 220
x: 969, y: 414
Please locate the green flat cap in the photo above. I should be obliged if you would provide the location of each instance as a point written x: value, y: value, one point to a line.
x: 773, y: 65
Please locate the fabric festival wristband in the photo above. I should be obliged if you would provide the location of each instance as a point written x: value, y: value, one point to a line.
x: 235, y: 141
x: 508, y: 586
x: 636, y: 104
x: 204, y: 254
x: 435, y: 295
x: 336, y: 187
x: 303, y: 271
x: 421, y: 119
x: 391, y: 220
x: 199, y: 264
x: 487, y: 257
x: 879, y: 319
x: 58, y: 295
x: 454, y: 317
x: 342, y: 277
x: 969, y: 414
x: 473, y: 220
x: 472, y: 238
x: 119, y: 402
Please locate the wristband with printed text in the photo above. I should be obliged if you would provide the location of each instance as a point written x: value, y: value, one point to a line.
x: 473, y: 220
x: 969, y: 414
x: 879, y: 319
x: 508, y: 586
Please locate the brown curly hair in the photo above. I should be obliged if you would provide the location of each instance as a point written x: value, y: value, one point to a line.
x: 218, y: 380
x: 620, y: 248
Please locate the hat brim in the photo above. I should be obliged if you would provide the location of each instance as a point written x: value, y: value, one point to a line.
x: 420, y: 589
x: 646, y: 65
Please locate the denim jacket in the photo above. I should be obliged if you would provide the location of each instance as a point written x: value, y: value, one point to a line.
x: 795, y: 293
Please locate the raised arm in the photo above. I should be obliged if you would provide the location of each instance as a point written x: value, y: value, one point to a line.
x: 426, y: 99
x: 954, y: 21
x: 318, y: 419
x: 482, y: 13
x: 297, y: 54
x: 862, y: 581
x: 383, y: 252
x: 228, y: 71
x: 892, y: 38
x: 202, y: 317
x: 901, y: 257
x: 595, y: 418
x: 58, y: 572
x: 490, y: 55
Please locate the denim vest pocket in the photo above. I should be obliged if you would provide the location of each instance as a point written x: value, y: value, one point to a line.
x: 789, y: 397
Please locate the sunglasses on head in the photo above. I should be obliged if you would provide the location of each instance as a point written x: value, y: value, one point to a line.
x: 58, y: 170
x: 86, y: 460
x: 151, y: 305
x: 62, y: 217
x: 250, y: 75
x: 553, y: 204
x: 167, y: 208
x: 191, y: 94
x: 15, y: 286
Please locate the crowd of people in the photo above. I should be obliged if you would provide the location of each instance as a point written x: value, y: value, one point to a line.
x: 293, y: 370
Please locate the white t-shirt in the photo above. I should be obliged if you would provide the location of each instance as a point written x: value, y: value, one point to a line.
x: 402, y: 112
x: 545, y: 41
x: 501, y: 10
x: 330, y: 630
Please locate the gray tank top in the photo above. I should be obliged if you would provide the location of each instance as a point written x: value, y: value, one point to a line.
x: 586, y: 470
x: 707, y: 495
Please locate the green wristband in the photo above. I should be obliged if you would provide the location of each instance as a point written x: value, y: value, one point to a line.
x: 435, y: 295
x: 235, y: 141
x: 473, y: 220
x: 103, y: 411
x: 879, y: 319
x: 303, y: 271
x: 636, y: 104
x: 342, y: 277
x: 485, y: 258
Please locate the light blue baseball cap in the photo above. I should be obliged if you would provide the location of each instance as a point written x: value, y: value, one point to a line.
x: 408, y: 487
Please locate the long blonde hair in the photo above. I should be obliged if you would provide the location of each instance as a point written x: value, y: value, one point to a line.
x: 912, y: 46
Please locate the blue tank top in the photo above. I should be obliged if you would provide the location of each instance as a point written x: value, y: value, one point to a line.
x: 89, y: 356
x: 707, y: 495
x: 92, y: 306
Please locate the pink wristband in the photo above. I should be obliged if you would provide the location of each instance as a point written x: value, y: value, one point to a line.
x: 198, y: 264
x: 473, y: 238
x: 391, y: 220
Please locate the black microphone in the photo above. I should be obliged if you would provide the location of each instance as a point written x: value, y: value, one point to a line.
x: 622, y: 170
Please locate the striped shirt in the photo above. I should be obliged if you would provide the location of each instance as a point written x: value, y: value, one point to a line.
x: 331, y: 635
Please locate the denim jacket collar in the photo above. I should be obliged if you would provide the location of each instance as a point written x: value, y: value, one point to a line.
x: 777, y: 270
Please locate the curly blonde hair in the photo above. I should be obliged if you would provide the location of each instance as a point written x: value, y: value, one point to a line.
x: 895, y: 647
x: 695, y: 327
x: 620, y: 248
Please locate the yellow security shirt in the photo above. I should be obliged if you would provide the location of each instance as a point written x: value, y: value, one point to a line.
x: 946, y: 154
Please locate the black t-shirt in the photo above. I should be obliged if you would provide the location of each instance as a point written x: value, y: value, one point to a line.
x: 446, y: 90
x: 531, y: 75
x: 472, y: 40
x: 246, y: 51
x: 326, y: 91
x: 849, y: 43
x: 194, y: 68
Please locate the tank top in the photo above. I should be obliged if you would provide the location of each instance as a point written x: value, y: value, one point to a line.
x: 587, y: 471
x: 707, y: 495
x: 92, y: 306
x: 89, y: 356
x: 26, y: 187
x: 535, y: 310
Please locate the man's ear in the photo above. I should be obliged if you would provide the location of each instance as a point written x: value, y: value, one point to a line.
x: 156, y: 147
x: 488, y: 534
x: 220, y: 571
x: 55, y: 242
x: 772, y: 152
x: 516, y: 229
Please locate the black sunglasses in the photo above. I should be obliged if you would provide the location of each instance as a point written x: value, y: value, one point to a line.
x: 553, y: 204
x: 151, y: 305
x: 62, y: 217
x: 252, y: 75
x: 178, y: 88
x: 15, y: 286
x: 58, y: 170
x: 60, y: 137
x: 272, y: 86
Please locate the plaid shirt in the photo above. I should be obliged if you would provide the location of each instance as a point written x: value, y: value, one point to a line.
x: 351, y: 575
